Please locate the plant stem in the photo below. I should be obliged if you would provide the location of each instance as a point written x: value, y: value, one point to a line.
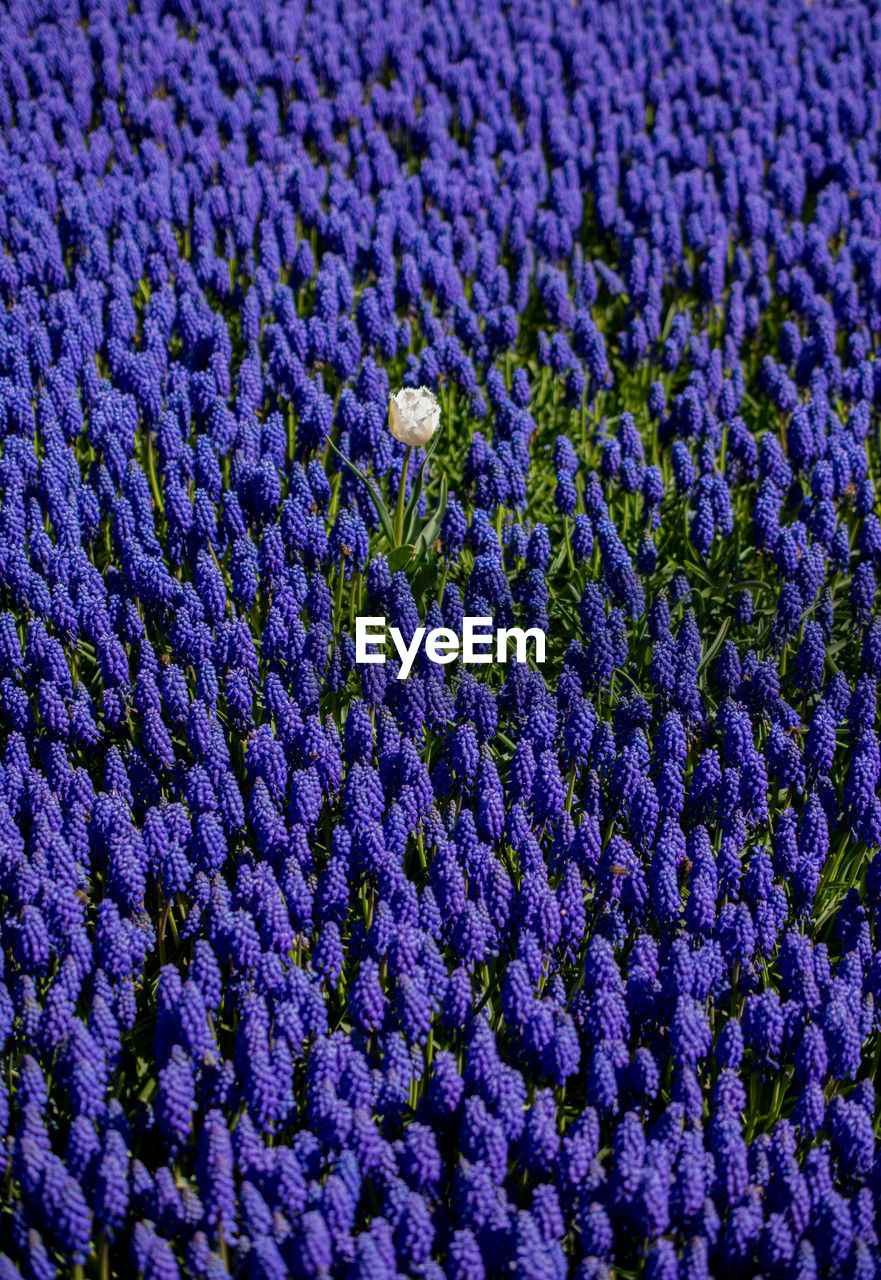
x: 402, y: 496
x: 338, y: 603
x: 163, y: 924
x: 569, y: 554
x: 573, y: 772
x: 292, y: 436
x: 151, y: 471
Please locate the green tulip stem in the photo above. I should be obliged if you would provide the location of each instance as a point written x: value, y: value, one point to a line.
x: 402, y: 490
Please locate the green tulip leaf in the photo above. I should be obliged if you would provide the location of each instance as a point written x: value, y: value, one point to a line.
x: 411, y: 515
x: 401, y: 556
x: 385, y: 519
x: 431, y: 528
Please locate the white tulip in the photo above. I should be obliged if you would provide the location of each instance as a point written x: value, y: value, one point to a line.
x: 414, y: 415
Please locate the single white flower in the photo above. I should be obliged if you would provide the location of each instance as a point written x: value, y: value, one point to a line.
x: 414, y: 415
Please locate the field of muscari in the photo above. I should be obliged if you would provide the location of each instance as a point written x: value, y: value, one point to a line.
x: 501, y: 970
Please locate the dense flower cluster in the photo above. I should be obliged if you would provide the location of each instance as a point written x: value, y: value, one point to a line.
x: 310, y: 971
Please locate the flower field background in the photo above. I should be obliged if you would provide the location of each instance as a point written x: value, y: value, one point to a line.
x: 498, y: 971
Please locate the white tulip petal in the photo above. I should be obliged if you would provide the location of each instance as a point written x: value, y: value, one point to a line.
x: 414, y: 416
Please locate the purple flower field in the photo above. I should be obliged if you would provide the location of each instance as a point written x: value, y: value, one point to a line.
x: 318, y: 968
